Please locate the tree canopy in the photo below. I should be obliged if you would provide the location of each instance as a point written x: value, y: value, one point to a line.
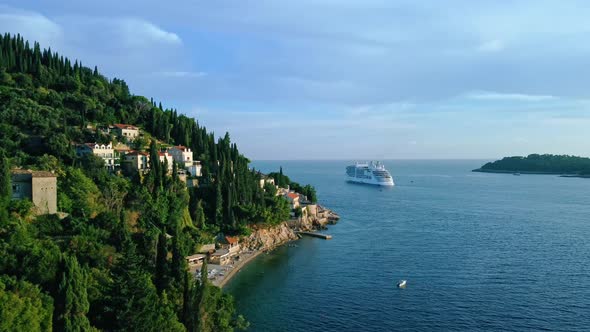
x: 116, y: 260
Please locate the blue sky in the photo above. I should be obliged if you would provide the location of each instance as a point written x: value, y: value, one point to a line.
x: 344, y: 79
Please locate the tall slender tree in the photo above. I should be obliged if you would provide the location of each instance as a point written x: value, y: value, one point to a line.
x: 72, y: 305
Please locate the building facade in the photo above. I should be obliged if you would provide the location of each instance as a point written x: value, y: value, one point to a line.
x: 231, y: 244
x: 293, y: 199
x: 130, y: 132
x: 166, y: 157
x: 182, y: 155
x: 39, y: 187
x: 137, y: 161
x: 194, y: 169
x: 104, y: 151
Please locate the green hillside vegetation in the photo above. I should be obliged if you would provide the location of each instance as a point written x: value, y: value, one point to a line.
x: 284, y: 181
x: 536, y: 163
x: 116, y: 262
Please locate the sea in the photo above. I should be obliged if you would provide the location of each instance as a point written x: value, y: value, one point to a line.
x: 479, y: 251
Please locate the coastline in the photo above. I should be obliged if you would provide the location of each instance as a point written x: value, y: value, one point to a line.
x: 481, y: 170
x: 265, y: 239
x: 220, y: 282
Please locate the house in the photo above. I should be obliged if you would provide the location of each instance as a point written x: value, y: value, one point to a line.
x: 166, y: 157
x: 231, y: 243
x: 137, y: 161
x: 182, y: 155
x: 130, y: 132
x: 207, y: 248
x: 195, y: 260
x: 264, y: 179
x: 220, y: 257
x: 194, y: 169
x: 104, y: 151
x: 293, y: 199
x: 38, y: 186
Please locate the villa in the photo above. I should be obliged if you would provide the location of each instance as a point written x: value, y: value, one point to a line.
x: 293, y: 199
x: 130, y: 132
x: 137, y: 161
x: 264, y: 179
x: 104, y: 151
x: 182, y: 155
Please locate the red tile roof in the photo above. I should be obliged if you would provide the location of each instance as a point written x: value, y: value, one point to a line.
x: 293, y: 195
x: 181, y: 147
x: 125, y: 126
x: 231, y: 239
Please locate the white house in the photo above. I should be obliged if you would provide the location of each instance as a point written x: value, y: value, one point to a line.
x: 130, y: 132
x: 265, y: 179
x: 194, y: 169
x: 293, y: 199
x: 137, y: 161
x: 166, y: 157
x: 182, y: 155
x: 104, y: 151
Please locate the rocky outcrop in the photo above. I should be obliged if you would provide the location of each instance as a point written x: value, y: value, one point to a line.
x: 314, y: 217
x: 265, y: 238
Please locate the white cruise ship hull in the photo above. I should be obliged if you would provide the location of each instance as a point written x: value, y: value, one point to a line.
x: 371, y: 181
x: 369, y: 173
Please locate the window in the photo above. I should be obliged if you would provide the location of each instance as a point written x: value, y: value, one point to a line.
x: 15, y: 188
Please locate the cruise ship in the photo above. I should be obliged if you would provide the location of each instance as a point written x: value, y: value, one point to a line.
x: 369, y: 173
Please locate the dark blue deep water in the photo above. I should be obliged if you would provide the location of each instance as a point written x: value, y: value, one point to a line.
x: 479, y: 251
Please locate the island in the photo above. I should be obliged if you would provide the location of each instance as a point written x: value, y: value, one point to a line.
x: 565, y: 165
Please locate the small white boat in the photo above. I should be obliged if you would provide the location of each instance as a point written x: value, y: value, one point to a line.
x: 401, y: 284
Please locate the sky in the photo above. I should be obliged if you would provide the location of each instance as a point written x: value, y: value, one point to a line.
x: 341, y: 79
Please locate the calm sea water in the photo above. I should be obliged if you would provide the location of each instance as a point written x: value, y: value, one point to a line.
x: 479, y: 251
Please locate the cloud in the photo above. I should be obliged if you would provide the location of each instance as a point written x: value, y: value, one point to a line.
x: 138, y: 31
x: 31, y: 25
x: 495, y: 96
x: 491, y: 46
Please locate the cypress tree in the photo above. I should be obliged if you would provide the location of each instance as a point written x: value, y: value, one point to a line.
x: 5, y: 192
x: 161, y: 263
x: 72, y: 305
x: 199, y: 215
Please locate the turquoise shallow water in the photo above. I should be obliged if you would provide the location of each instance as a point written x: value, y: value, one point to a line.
x: 479, y: 251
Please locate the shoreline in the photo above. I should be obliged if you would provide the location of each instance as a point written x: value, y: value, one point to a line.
x: 237, y: 267
x: 221, y: 282
x: 222, y: 274
x: 480, y: 170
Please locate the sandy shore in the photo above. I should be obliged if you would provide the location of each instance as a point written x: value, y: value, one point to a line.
x: 245, y: 258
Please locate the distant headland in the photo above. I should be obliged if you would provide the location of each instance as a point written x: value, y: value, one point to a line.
x: 564, y: 165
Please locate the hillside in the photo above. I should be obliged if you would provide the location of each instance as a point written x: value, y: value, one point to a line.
x: 541, y: 164
x: 117, y: 260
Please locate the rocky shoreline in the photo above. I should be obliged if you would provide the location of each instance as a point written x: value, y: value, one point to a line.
x: 265, y: 238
